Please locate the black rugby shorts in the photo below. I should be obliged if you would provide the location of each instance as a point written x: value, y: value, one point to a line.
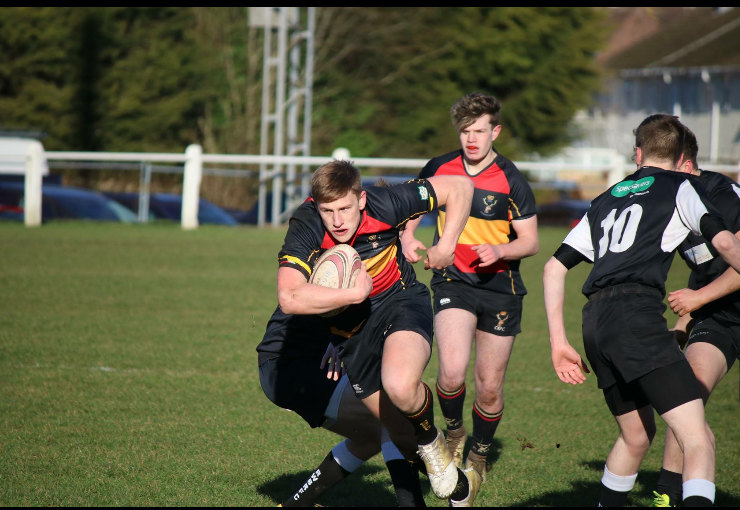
x: 498, y: 314
x: 726, y: 339
x: 409, y: 309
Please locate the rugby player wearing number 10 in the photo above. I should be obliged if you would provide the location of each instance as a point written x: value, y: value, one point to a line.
x: 631, y: 233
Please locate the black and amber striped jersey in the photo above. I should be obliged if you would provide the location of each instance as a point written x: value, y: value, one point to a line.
x: 377, y: 242
x: 632, y: 230
x: 705, y: 263
x: 501, y: 195
x: 387, y: 209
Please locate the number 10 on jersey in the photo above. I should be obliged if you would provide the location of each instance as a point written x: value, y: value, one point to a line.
x: 622, y: 230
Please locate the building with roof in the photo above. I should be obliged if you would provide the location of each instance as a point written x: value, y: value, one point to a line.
x: 681, y: 61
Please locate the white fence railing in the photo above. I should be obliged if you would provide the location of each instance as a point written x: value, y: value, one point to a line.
x: 586, y: 160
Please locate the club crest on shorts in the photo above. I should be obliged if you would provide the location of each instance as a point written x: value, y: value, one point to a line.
x: 444, y: 301
x: 502, y: 317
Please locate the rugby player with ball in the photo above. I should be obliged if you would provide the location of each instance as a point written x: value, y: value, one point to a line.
x: 384, y: 336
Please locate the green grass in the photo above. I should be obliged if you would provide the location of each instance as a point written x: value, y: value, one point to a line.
x: 128, y: 376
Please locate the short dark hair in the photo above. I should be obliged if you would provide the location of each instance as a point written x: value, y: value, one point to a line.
x: 661, y: 136
x: 334, y: 180
x: 470, y: 108
x: 691, y: 148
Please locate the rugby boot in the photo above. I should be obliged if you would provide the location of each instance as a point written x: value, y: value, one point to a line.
x: 661, y: 501
x: 479, y: 463
x: 474, y: 481
x: 440, y: 466
x: 456, y: 444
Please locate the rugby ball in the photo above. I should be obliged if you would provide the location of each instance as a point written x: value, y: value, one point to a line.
x: 336, y: 268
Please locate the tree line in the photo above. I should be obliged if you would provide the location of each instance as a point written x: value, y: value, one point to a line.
x: 160, y: 78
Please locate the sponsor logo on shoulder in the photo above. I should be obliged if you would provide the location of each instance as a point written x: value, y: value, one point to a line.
x: 445, y: 301
x: 699, y: 254
x: 502, y: 317
x: 357, y: 388
x: 625, y: 188
x: 423, y: 192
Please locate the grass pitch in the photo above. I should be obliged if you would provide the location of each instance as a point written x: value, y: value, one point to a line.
x: 128, y: 376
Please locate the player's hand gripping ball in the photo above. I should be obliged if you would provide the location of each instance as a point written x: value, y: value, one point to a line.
x: 337, y: 268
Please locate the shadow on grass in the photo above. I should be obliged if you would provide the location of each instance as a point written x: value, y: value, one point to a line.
x: 586, y: 493
x: 648, y: 481
x: 355, y: 490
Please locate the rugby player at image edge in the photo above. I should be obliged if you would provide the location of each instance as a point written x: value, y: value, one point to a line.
x: 630, y: 234
x: 711, y: 305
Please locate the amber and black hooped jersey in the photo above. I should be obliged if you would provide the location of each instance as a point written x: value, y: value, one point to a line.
x: 632, y: 230
x: 377, y: 242
x: 705, y: 263
x: 501, y: 195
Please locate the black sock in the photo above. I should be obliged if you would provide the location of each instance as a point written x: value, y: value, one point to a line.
x: 612, y: 498
x: 452, y: 403
x: 462, y: 488
x: 423, y: 419
x: 328, y: 474
x: 697, y: 501
x: 484, y: 427
x: 406, y: 483
x: 671, y: 484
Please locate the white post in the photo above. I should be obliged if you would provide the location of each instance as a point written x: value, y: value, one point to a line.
x: 341, y: 153
x: 32, y: 188
x: 191, y: 186
x: 616, y: 169
x: 714, y: 129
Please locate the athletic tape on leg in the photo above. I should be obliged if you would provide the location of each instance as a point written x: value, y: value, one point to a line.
x: 618, y: 483
x: 344, y: 457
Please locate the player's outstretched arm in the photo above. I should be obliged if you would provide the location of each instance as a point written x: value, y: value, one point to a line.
x: 568, y: 364
x: 409, y: 243
x: 728, y: 247
x: 297, y: 296
x: 456, y: 194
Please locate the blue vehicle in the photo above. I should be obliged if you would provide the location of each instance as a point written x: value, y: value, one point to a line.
x: 59, y: 202
x: 166, y: 206
x: 250, y: 217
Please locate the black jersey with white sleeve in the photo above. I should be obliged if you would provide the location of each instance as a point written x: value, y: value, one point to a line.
x: 632, y: 230
x: 705, y: 263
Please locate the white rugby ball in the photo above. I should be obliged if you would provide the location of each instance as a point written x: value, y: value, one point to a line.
x: 336, y: 268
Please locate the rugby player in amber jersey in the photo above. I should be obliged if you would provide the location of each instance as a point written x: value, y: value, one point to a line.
x: 709, y: 310
x: 479, y: 296
x: 386, y: 332
x: 630, y: 234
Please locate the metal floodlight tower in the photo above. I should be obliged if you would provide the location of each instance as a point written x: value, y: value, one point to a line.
x: 288, y: 60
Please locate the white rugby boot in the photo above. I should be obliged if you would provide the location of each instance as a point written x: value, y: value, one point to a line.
x: 440, y: 466
x: 474, y: 481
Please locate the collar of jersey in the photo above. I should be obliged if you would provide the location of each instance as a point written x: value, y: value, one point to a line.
x: 465, y: 166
